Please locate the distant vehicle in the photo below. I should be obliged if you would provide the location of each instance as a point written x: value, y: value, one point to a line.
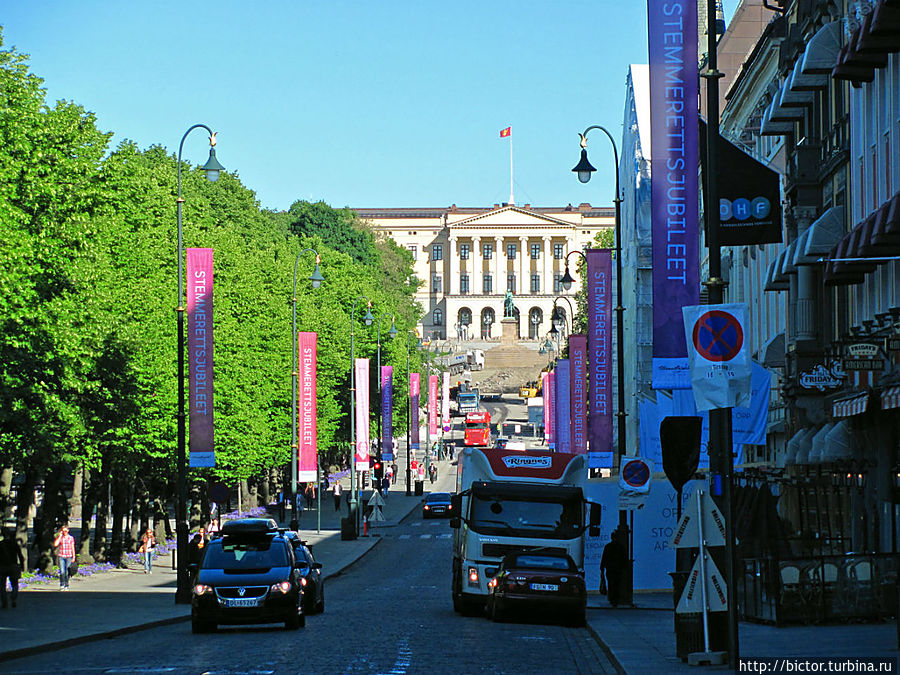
x: 528, y: 390
x: 541, y: 579
x: 437, y: 505
x: 472, y: 359
x: 478, y: 429
x: 468, y: 401
x: 248, y: 575
x: 507, y: 444
x: 311, y: 572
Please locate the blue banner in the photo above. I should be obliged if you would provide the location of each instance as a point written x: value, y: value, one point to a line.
x: 563, y: 426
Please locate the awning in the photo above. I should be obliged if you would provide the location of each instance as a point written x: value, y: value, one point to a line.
x: 886, y: 232
x: 785, y: 109
x: 818, y: 444
x: 794, y: 94
x: 870, y: 44
x: 890, y: 398
x: 854, y: 405
x: 807, y: 82
x: 797, y: 445
x: 821, y: 237
x: 838, y: 443
x: 771, y: 127
x: 780, y: 275
x: 822, y: 50
x: 773, y: 352
x: 787, y: 264
x: 773, y: 283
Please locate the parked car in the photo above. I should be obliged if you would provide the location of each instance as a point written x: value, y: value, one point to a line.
x: 437, y: 505
x: 538, y: 580
x: 248, y: 575
x: 311, y: 573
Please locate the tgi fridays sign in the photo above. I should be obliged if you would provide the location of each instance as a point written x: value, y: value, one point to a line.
x: 863, y: 356
x: 823, y: 377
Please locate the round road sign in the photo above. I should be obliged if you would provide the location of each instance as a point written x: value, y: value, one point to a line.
x: 718, y: 336
x: 636, y: 473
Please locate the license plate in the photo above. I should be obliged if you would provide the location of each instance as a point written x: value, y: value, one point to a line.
x: 544, y: 587
x: 242, y: 602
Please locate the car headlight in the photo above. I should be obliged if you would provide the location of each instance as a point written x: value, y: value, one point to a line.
x: 303, y: 581
x: 202, y: 589
x: 281, y: 587
x: 426, y: 507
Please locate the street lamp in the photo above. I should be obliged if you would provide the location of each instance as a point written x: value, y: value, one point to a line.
x: 352, y: 515
x: 408, y: 406
x: 393, y: 333
x: 584, y: 171
x: 183, y: 585
x: 316, y: 279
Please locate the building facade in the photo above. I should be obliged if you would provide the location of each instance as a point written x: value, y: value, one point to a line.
x: 469, y: 258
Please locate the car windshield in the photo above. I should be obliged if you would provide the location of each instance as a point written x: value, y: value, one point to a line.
x: 438, y: 497
x: 542, y: 562
x: 526, y: 517
x: 246, y: 554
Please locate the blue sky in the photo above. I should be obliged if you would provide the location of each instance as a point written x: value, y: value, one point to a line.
x: 371, y: 103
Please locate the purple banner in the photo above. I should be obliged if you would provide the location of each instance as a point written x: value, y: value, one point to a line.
x: 362, y: 414
x: 675, y: 230
x: 578, y: 392
x: 200, y: 355
x: 308, y: 449
x: 414, y: 412
x: 563, y: 422
x: 599, y: 310
x: 387, y: 413
x: 547, y: 388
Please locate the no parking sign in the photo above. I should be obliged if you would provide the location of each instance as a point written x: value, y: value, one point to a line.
x: 634, y: 482
x: 718, y: 354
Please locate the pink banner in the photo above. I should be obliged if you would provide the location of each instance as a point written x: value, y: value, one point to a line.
x: 200, y: 356
x: 548, y: 418
x: 550, y: 403
x: 362, y: 414
x: 578, y: 392
x: 432, y: 404
x: 307, y: 455
x: 414, y: 412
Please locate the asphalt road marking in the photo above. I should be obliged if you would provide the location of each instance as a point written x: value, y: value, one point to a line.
x: 404, y: 536
x: 404, y: 658
x: 424, y: 536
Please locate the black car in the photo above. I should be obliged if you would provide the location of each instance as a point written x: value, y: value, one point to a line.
x: 437, y: 505
x: 249, y: 574
x: 311, y: 573
x: 541, y: 580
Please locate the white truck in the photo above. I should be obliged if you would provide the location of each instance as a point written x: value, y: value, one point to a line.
x: 471, y: 359
x: 510, y: 500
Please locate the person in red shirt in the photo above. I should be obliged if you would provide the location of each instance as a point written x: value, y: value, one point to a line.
x: 65, y: 542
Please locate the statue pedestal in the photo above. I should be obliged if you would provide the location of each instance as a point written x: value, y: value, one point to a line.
x: 509, y: 330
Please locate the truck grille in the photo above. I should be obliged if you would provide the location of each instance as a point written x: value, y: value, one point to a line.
x: 500, y: 550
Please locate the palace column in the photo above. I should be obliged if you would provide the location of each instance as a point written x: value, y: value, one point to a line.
x: 500, y: 274
x: 523, y: 266
x: 454, y: 271
x: 546, y: 269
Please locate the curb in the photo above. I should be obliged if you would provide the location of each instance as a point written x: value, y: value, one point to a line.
x: 610, y: 654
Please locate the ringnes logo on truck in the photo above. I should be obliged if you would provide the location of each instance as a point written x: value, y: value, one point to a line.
x: 523, y: 462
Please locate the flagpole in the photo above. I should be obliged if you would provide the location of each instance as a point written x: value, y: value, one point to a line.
x: 512, y: 199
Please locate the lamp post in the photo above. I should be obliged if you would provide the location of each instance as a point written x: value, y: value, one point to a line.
x: 393, y: 333
x: 368, y: 319
x: 584, y: 171
x: 408, y: 406
x: 212, y: 169
x: 316, y: 278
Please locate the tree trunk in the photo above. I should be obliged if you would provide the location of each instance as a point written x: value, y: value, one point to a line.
x: 101, y: 543
x: 24, y: 504
x: 6, y: 505
x: 139, y: 521
x: 52, y: 514
x: 254, y: 493
x: 162, y: 526
x: 75, y: 499
x: 265, y: 486
x: 120, y: 508
x: 196, y: 513
x: 88, y: 504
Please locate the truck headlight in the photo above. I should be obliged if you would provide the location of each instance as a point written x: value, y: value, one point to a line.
x: 473, y: 576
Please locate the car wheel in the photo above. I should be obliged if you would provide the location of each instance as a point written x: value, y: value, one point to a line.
x: 294, y: 620
x: 200, y: 626
x: 320, y: 606
x: 496, y: 612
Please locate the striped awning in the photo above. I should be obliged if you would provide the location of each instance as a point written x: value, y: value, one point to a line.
x: 890, y: 398
x: 856, y: 405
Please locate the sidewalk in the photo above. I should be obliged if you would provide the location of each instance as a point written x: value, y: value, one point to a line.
x: 127, y: 600
x: 642, y: 639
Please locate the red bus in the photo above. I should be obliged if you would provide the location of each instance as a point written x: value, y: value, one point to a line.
x: 478, y: 429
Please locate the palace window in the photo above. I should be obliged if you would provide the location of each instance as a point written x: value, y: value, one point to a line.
x: 535, y: 283
x: 488, y: 284
x: 437, y: 317
x: 510, y: 251
x: 558, y: 251
x: 487, y: 251
x: 464, y: 284
x: 437, y: 252
x: 436, y: 283
x: 535, y: 251
x: 511, y: 283
x: 463, y: 251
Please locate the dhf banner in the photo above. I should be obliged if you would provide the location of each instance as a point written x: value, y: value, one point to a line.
x: 546, y: 387
x: 200, y: 356
x: 432, y: 404
x: 362, y: 414
x: 414, y: 412
x: 563, y: 422
x: 720, y: 360
x: 387, y: 413
x: 445, y: 402
x: 675, y: 230
x: 307, y: 449
x: 599, y: 309
x: 578, y: 392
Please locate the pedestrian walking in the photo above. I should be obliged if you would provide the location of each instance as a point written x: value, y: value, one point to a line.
x: 385, y: 486
x: 65, y: 545
x: 613, y: 562
x: 432, y: 472
x: 310, y: 494
x: 336, y: 491
x: 148, y: 543
x: 395, y: 475
x: 12, y: 562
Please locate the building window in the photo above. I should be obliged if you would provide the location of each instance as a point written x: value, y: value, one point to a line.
x: 558, y: 251
x: 436, y: 283
x: 437, y: 317
x: 464, y: 284
x: 510, y: 251
x: 535, y: 283
x: 535, y: 251
x: 557, y: 287
x: 487, y: 251
x: 414, y: 250
x: 463, y: 251
x: 437, y: 252
x: 488, y: 284
x: 511, y: 283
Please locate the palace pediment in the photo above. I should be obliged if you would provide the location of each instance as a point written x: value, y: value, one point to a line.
x: 510, y: 217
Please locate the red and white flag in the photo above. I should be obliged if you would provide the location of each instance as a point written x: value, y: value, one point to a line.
x: 505, y: 132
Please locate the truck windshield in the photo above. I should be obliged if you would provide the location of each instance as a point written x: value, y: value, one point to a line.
x: 476, y: 425
x: 525, y: 517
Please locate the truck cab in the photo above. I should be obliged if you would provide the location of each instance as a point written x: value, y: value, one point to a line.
x: 478, y: 429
